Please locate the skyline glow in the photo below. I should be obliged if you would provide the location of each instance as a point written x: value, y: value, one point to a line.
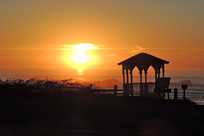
x: 33, y: 32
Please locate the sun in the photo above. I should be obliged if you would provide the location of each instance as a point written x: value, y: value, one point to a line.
x: 81, y: 53
x: 81, y: 56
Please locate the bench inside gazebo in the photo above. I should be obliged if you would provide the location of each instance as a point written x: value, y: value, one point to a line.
x: 143, y: 62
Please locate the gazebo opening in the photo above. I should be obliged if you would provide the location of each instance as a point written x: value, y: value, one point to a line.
x: 143, y: 62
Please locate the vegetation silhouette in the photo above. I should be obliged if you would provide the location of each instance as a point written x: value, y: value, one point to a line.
x: 34, y: 86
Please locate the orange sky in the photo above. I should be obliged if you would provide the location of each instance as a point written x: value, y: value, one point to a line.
x: 33, y: 34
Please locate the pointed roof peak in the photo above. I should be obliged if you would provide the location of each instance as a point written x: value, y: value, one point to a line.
x: 143, y: 58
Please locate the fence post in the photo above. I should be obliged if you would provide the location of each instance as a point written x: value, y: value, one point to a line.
x: 115, y: 90
x: 175, y: 93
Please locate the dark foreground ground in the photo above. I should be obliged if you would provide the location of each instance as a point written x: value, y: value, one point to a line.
x: 82, y: 114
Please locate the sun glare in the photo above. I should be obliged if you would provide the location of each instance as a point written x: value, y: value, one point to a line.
x: 81, y: 56
x: 81, y: 53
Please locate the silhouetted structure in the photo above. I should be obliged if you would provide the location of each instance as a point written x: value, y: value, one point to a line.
x: 175, y: 93
x: 184, y: 87
x: 115, y: 89
x: 162, y: 87
x: 143, y: 62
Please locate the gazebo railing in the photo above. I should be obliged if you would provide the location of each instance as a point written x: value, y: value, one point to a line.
x: 149, y: 87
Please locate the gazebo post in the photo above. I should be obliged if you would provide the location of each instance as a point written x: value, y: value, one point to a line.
x: 145, y: 76
x: 146, y: 86
x: 123, y: 72
x: 163, y: 71
x: 141, y: 86
x: 131, y: 82
x: 127, y: 81
x: 158, y: 72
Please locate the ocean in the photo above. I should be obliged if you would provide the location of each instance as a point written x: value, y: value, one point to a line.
x: 194, y: 93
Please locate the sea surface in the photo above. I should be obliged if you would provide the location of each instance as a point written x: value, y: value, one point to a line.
x: 194, y: 93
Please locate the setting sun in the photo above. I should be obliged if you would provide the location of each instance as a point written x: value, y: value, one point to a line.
x: 81, y: 56
x: 81, y: 53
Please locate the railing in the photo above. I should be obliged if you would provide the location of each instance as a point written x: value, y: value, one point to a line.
x: 116, y: 91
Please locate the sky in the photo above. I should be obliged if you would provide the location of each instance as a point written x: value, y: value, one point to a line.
x: 34, y: 35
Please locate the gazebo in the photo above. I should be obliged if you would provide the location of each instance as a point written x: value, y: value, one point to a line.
x: 143, y: 62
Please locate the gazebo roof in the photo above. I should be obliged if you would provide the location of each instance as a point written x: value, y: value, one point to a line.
x: 143, y: 59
